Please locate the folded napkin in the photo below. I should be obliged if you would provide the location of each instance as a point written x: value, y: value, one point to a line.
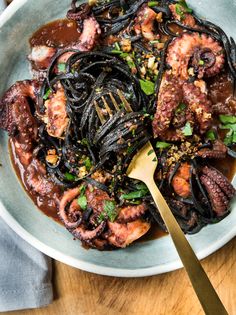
x: 25, y: 273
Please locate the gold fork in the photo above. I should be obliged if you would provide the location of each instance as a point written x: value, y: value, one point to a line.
x: 142, y: 167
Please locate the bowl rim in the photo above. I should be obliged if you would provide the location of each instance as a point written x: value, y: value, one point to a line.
x: 78, y: 263
x: 107, y: 271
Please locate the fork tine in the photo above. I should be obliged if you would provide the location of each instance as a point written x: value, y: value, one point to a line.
x: 114, y: 102
x: 99, y: 112
x: 107, y: 106
x: 125, y: 102
x: 126, y: 105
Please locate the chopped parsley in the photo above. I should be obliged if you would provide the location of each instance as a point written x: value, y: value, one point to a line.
x: 46, y: 95
x: 150, y: 152
x: 69, y: 176
x: 117, y: 46
x: 210, y: 135
x: 181, y: 8
x: 152, y: 4
x: 148, y: 87
x: 180, y: 108
x: 227, y: 119
x: 109, y: 211
x: 229, y: 123
x: 162, y: 145
x: 141, y: 191
x: 88, y: 163
x: 187, y: 129
x: 61, y: 67
x: 135, y: 194
x: 201, y: 62
x: 82, y: 202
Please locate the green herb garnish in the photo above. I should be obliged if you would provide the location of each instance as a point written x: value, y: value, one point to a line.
x: 46, y: 95
x: 150, y: 152
x: 69, y: 176
x: 148, y: 87
x: 162, y: 145
x: 82, y: 202
x: 152, y: 4
x: 229, y: 123
x: 61, y: 67
x: 227, y: 119
x: 185, y: 6
x: 135, y: 194
x: 84, y: 142
x: 117, y: 46
x: 109, y: 210
x: 201, y: 62
x: 88, y: 163
x: 115, y: 51
x: 180, y: 108
x: 187, y: 130
x: 181, y: 8
x: 210, y: 135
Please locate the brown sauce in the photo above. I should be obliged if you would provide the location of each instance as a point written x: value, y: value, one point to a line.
x: 59, y: 33
x: 46, y: 204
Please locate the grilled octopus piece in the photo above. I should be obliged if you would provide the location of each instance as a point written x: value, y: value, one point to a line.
x: 189, y: 49
x: 41, y: 56
x: 218, y: 151
x: 173, y: 93
x: 17, y: 107
x: 128, y: 226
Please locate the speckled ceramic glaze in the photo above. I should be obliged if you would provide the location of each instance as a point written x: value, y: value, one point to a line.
x: 17, y: 23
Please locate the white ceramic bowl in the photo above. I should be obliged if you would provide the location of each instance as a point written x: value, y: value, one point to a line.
x: 17, y: 23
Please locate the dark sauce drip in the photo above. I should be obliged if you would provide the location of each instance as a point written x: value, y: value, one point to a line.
x: 63, y: 32
x: 46, y: 204
x: 59, y: 33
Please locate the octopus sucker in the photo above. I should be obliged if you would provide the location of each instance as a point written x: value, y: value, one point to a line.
x: 218, y: 151
x: 197, y: 108
x: 195, y: 47
x: 199, y: 104
x: 68, y: 197
x: 84, y: 234
x: 220, y: 180
x: 169, y: 98
x: 131, y: 213
x: 218, y: 199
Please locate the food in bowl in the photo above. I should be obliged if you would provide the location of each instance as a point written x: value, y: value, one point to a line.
x: 106, y: 80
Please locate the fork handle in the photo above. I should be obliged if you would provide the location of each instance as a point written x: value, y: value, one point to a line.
x: 207, y: 295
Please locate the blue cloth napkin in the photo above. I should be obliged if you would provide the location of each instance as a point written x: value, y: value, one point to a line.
x: 25, y: 273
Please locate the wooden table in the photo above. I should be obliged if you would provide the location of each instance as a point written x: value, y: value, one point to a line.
x: 81, y: 293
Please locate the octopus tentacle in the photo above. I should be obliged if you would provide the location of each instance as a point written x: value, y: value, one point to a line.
x: 199, y: 104
x: 169, y: 98
x: 218, y: 151
x: 68, y: 196
x: 82, y: 233
x: 131, y: 213
x: 183, y: 48
x: 218, y: 199
x: 144, y: 23
x: 220, y: 180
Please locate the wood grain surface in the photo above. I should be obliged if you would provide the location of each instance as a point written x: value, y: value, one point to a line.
x: 82, y: 293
